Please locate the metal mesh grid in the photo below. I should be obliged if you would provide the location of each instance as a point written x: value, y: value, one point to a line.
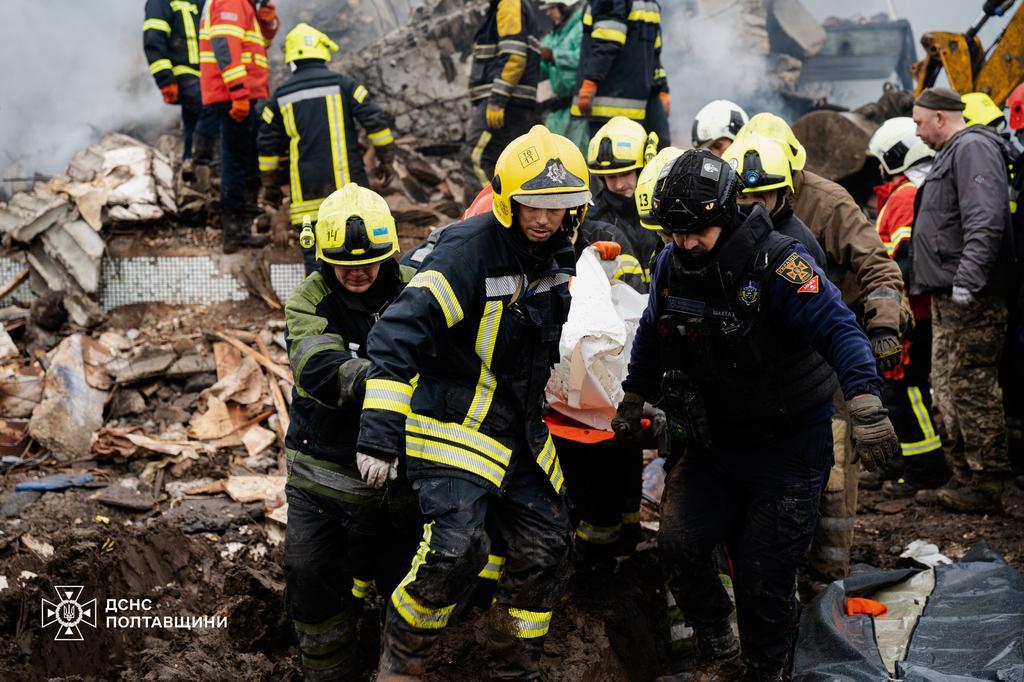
x: 172, y: 279
x: 9, y: 267
x: 284, y: 277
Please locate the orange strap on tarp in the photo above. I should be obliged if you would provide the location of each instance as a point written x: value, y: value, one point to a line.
x: 856, y: 606
x: 570, y: 429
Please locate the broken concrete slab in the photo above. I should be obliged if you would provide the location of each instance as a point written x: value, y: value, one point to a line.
x: 255, y: 488
x: 83, y: 310
x: 29, y: 214
x: 191, y: 363
x: 123, y: 497
x: 145, y: 363
x: 794, y: 30
x: 47, y: 274
x: 21, y: 390
x: 257, y: 439
x: 125, y: 402
x: 8, y: 351
x: 79, y: 249
x: 71, y: 410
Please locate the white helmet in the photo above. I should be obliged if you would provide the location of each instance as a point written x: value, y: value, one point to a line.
x: 718, y: 118
x: 896, y: 145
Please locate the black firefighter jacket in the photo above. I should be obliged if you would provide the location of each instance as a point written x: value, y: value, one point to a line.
x: 170, y: 38
x: 326, y: 335
x: 621, y: 52
x: 311, y: 119
x: 506, y: 55
x: 480, y: 325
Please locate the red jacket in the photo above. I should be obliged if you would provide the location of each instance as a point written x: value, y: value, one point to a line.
x: 894, y: 224
x: 233, y: 52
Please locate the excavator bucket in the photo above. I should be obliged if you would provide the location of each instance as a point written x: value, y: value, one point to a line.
x: 949, y: 51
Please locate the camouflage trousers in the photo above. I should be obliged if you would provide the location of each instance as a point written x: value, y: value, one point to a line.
x: 829, y: 555
x: 966, y: 345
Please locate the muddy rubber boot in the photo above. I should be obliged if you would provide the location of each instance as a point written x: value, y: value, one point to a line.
x: 237, y: 235
x: 719, y: 657
x: 982, y: 496
x: 930, y: 497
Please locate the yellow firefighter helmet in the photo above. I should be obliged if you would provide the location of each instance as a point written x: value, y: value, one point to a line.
x: 542, y: 170
x: 354, y: 227
x: 761, y: 163
x: 979, y: 109
x: 644, y: 193
x: 777, y: 129
x: 619, y: 146
x: 306, y: 42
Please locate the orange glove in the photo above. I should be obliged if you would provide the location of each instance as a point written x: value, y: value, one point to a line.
x: 666, y: 102
x: 585, y: 97
x: 267, y: 16
x: 239, y: 110
x: 170, y: 93
x: 861, y: 605
x: 608, y: 250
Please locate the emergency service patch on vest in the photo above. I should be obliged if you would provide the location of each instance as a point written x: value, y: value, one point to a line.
x: 810, y: 287
x: 750, y: 292
x: 795, y: 270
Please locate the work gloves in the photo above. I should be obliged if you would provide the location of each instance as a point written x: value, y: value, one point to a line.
x: 608, y: 250
x: 874, y: 439
x: 962, y: 296
x: 887, y: 348
x: 376, y: 472
x: 626, y: 423
x: 495, y: 116
x: 585, y: 97
x: 385, y: 172
x: 239, y: 110
x: 666, y: 102
x: 170, y: 93
x: 267, y: 16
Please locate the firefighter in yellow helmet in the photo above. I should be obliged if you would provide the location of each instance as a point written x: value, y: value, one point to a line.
x: 979, y: 109
x: 311, y: 121
x: 767, y: 177
x: 872, y: 286
x: 479, y: 325
x: 617, y: 153
x: 343, y: 534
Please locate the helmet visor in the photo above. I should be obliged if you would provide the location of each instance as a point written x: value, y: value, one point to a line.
x: 559, y: 200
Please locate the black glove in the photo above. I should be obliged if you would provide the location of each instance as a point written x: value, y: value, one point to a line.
x: 874, y: 439
x: 888, y: 349
x: 626, y: 423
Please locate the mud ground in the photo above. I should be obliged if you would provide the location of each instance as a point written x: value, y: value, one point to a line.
x: 216, y: 557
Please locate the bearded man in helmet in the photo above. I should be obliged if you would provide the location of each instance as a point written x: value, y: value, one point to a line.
x: 740, y: 345
x: 479, y: 325
x: 343, y: 533
x: 311, y: 120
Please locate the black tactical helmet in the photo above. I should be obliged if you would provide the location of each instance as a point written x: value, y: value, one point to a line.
x: 695, y: 191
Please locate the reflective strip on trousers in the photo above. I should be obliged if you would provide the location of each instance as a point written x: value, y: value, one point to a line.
x: 598, y: 535
x: 477, y: 157
x: 360, y: 588
x: 492, y: 571
x: 529, y: 624
x: 931, y: 441
x: 419, y: 616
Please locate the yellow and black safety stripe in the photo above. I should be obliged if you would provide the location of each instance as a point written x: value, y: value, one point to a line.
x: 233, y: 74
x: 493, y: 569
x: 610, y: 30
x: 413, y: 612
x: 336, y: 127
x: 547, y: 458
x: 158, y: 65
x: 381, y: 138
x: 267, y: 115
x: 292, y: 131
x: 359, y: 94
x: 222, y: 30
x: 629, y: 265
x: 456, y: 446
x: 156, y: 25
x: 486, y: 339
x: 630, y: 518
x: 644, y: 11
x: 388, y: 394
x: 660, y: 74
x: 529, y: 624
x: 485, y: 51
x: 436, y: 283
x: 187, y: 10
x: 326, y: 644
x: 930, y: 442
x: 360, y: 588
x: 608, y: 107
x: 598, y: 535
x: 182, y: 70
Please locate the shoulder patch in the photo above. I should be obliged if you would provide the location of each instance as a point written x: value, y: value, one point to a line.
x: 810, y: 287
x: 795, y: 269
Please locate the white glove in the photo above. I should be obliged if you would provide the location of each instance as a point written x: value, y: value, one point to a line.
x: 962, y: 296
x: 376, y: 472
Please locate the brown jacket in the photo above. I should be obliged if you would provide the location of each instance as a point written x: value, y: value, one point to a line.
x: 857, y: 262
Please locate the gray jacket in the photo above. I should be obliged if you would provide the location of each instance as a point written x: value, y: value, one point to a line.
x: 962, y: 217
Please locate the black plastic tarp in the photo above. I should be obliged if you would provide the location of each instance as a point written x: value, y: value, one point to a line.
x: 971, y: 628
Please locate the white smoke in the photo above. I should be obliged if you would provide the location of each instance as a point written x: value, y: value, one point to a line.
x: 709, y: 54
x: 73, y: 70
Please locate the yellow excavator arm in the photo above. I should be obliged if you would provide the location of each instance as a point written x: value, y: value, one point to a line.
x: 968, y: 68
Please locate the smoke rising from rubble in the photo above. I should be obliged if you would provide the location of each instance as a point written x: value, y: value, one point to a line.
x: 73, y: 71
x: 710, y: 57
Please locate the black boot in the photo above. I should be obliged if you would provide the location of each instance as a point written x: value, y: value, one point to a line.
x: 237, y: 235
x: 718, y: 658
